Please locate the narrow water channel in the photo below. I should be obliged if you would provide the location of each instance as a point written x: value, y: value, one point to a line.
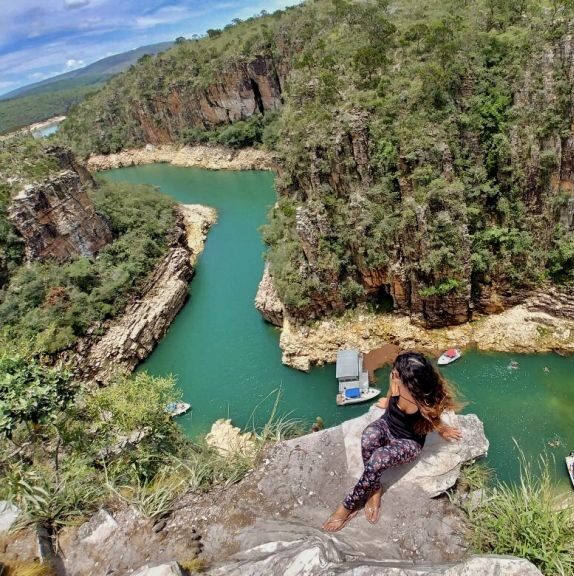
x: 228, y: 362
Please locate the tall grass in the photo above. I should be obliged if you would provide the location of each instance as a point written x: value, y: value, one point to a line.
x: 530, y: 519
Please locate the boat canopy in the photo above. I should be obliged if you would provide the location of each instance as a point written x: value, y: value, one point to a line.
x: 353, y: 392
x: 451, y: 352
x: 348, y: 364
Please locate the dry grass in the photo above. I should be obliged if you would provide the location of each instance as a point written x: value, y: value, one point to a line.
x: 28, y: 569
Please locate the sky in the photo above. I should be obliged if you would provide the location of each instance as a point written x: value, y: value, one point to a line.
x: 44, y: 38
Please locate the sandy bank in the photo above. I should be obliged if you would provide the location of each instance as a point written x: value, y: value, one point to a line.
x: 515, y: 330
x: 44, y: 123
x: 213, y: 158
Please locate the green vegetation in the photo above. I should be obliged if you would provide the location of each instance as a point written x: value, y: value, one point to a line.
x: 22, y: 160
x: 421, y: 142
x: 25, y: 110
x: 530, y: 519
x: 105, y: 122
x: 65, y: 454
x: 51, y: 304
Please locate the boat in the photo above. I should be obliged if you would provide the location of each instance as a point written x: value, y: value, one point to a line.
x: 356, y: 395
x: 570, y: 466
x: 353, y: 380
x: 449, y: 356
x: 177, y: 408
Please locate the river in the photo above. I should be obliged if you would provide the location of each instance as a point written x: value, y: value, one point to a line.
x: 228, y: 362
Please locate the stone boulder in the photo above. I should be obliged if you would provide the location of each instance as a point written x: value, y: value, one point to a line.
x: 313, y: 558
x: 228, y: 439
x: 171, y: 569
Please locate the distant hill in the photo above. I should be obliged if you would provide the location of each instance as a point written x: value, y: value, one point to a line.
x: 95, y: 73
x: 55, y: 96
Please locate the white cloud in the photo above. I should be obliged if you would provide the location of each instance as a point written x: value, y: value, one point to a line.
x: 72, y: 64
x: 5, y: 86
x: 71, y: 4
x: 37, y: 76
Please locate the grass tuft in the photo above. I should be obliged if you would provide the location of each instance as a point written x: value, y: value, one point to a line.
x: 530, y: 519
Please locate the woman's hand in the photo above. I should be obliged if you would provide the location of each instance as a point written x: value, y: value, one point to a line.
x: 382, y: 403
x: 449, y: 433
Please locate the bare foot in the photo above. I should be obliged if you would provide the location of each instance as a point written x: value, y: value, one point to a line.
x: 338, y: 519
x: 373, y: 506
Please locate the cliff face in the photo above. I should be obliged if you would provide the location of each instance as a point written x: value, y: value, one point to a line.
x: 434, y: 212
x: 241, y: 91
x: 57, y: 219
x: 132, y: 336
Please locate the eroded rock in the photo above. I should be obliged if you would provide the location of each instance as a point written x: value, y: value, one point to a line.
x: 57, y: 219
x: 171, y: 569
x: 228, y: 439
x: 211, y: 157
x: 8, y: 515
x: 267, y: 300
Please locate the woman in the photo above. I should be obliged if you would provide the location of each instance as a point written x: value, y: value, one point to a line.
x: 417, y: 397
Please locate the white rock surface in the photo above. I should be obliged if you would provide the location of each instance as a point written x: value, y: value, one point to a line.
x: 171, y: 569
x: 8, y: 515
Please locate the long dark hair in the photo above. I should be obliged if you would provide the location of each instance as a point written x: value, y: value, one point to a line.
x: 431, y: 392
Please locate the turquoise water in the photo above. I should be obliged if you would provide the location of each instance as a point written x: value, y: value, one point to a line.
x: 228, y: 362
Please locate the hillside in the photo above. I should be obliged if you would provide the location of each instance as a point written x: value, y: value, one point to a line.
x: 425, y: 150
x: 56, y: 95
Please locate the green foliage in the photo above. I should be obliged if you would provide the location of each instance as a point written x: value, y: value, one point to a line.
x: 528, y: 520
x: 22, y: 111
x: 70, y: 454
x: 417, y: 139
x: 31, y: 393
x: 52, y: 304
x: 450, y: 285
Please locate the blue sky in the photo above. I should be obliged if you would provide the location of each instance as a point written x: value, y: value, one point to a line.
x: 43, y: 38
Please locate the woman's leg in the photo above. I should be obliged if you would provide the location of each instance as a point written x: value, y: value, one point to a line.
x: 375, y: 435
x: 396, y: 452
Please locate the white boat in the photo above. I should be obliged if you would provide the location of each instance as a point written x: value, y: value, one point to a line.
x: 449, y: 356
x: 348, y: 397
x: 177, y: 408
x: 570, y: 466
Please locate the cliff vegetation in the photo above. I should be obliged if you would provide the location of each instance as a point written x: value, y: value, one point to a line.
x: 425, y: 148
x: 49, y: 302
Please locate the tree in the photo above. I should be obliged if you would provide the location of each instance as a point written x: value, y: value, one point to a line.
x: 180, y: 40
x: 213, y: 33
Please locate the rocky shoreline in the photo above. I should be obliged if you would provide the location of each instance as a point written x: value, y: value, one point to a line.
x: 542, y: 323
x: 131, y: 337
x: 211, y: 157
x: 518, y: 329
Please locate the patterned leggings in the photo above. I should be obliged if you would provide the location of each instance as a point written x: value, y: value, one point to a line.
x: 380, y: 450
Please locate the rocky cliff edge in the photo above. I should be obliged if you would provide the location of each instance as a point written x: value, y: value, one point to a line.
x: 270, y: 522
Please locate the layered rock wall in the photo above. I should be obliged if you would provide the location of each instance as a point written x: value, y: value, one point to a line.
x: 130, y: 338
x: 57, y: 219
x: 267, y: 300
